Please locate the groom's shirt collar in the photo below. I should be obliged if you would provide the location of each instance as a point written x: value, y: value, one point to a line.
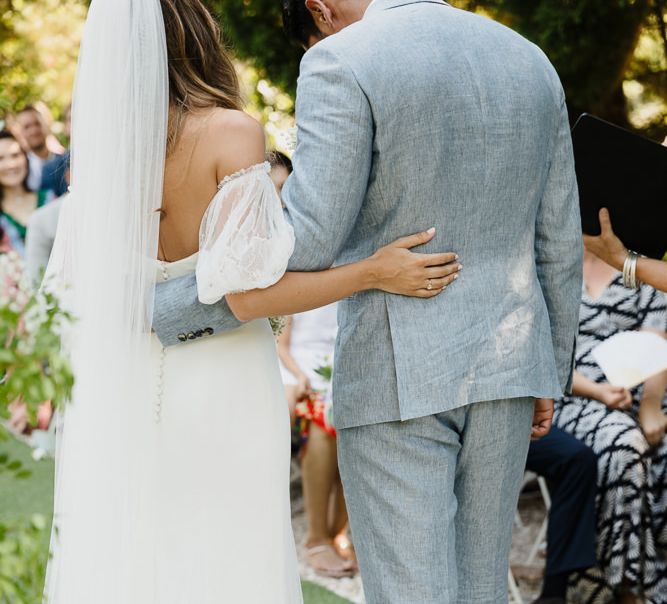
x: 378, y: 5
x: 368, y: 7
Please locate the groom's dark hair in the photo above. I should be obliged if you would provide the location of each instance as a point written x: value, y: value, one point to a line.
x: 298, y: 23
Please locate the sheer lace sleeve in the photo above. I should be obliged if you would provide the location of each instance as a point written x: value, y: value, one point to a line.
x: 245, y: 242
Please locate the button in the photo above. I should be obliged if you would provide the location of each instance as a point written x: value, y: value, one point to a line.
x: 209, y: 331
x: 182, y: 337
x: 191, y: 336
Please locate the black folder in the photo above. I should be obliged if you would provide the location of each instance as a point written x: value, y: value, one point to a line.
x: 626, y: 173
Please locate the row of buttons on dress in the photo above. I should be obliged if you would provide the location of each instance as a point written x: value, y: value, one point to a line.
x: 163, y: 356
x: 193, y: 335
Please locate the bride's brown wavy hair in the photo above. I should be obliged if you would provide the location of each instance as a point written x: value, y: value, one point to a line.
x: 201, y: 73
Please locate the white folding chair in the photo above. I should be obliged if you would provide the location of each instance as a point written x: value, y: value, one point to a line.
x: 515, y: 592
x: 529, y: 477
x: 542, y: 534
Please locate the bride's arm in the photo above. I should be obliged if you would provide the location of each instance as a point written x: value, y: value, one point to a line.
x: 393, y: 268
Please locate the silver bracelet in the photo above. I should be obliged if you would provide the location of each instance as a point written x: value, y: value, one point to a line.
x: 630, y: 270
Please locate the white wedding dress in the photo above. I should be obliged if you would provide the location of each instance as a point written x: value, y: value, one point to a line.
x: 219, y: 483
x: 223, y: 422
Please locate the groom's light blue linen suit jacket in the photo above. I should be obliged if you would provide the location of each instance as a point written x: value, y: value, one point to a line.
x: 423, y: 115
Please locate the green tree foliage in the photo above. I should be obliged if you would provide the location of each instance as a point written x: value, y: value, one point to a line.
x: 22, y: 561
x: 646, y: 77
x: 591, y: 42
x: 39, y: 43
x: 253, y: 29
x: 598, y: 46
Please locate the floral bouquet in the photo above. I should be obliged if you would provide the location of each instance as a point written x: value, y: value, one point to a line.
x: 317, y: 407
x: 33, y: 369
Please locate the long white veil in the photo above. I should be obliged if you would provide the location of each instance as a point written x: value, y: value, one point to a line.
x: 105, y: 253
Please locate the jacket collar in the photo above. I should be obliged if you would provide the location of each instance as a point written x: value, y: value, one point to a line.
x: 380, y: 5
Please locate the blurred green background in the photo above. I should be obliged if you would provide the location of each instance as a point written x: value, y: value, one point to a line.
x: 611, y: 54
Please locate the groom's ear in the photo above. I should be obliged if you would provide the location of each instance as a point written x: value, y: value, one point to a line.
x: 322, y: 15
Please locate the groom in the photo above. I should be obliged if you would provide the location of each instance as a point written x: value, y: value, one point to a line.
x: 415, y: 114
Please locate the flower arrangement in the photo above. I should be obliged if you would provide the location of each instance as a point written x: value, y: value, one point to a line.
x: 33, y: 368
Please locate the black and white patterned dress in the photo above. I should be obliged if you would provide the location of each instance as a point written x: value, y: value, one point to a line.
x: 632, y: 489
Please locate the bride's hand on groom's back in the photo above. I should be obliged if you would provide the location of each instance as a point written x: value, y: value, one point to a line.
x: 397, y: 270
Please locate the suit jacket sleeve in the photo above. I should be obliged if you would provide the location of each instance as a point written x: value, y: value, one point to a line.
x: 559, y: 248
x: 324, y: 194
x: 332, y: 161
x: 179, y: 316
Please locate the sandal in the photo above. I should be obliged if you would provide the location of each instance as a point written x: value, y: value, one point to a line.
x: 325, y: 568
x: 345, y: 548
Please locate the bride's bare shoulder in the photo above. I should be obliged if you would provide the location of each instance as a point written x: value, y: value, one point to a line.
x: 234, y: 140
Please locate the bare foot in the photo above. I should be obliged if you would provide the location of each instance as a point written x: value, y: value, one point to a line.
x: 326, y: 562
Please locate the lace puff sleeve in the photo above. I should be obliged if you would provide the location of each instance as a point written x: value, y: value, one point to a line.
x: 245, y: 242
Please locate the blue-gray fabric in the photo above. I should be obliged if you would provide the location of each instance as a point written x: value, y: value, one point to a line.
x: 423, y: 115
x: 432, y: 502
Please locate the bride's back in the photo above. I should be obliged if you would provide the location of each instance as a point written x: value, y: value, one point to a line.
x: 209, y: 137
x: 213, y: 143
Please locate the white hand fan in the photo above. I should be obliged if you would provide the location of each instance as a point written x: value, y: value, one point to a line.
x: 631, y: 357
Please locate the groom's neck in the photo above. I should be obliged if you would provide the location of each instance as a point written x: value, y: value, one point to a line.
x: 351, y: 11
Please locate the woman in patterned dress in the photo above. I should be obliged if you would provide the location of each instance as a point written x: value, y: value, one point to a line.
x: 627, y: 432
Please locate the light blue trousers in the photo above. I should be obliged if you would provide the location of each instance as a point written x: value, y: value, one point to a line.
x: 432, y: 502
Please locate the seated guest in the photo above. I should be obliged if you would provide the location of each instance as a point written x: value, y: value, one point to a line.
x: 305, y: 345
x: 570, y: 468
x: 17, y: 201
x: 35, y: 134
x: 626, y: 430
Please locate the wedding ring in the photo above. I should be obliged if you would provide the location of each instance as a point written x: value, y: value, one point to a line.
x: 429, y: 285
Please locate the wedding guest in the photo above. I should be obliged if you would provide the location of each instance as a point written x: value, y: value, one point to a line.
x: 35, y: 134
x: 46, y: 116
x: 53, y: 176
x: 306, y: 345
x: 5, y: 244
x: 17, y: 200
x: 611, y: 249
x: 41, y: 232
x: 54, y: 184
x: 570, y: 468
x: 281, y: 168
x: 626, y: 430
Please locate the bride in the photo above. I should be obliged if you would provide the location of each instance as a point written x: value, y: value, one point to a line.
x: 172, y: 481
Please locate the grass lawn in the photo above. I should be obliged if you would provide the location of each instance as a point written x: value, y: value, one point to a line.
x: 20, y: 500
